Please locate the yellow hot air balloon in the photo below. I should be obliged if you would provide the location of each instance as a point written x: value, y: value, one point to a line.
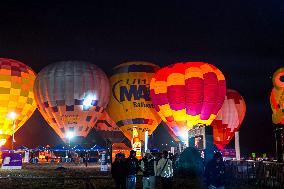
x: 17, y: 102
x: 130, y: 104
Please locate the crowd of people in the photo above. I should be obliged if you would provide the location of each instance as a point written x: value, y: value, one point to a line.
x: 124, y: 171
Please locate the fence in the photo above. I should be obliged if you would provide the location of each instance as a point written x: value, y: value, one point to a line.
x: 260, y: 174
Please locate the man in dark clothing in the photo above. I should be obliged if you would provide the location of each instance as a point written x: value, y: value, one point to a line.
x: 132, y: 167
x: 148, y: 166
x: 118, y: 171
x: 215, y: 172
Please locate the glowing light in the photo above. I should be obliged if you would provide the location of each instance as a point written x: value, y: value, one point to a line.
x: 70, y: 135
x: 88, y: 100
x: 2, y: 142
x: 12, y: 115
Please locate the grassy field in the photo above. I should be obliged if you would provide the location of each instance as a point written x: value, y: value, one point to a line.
x: 43, y: 176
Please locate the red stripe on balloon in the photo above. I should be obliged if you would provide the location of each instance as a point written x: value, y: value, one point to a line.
x: 176, y: 97
x: 194, y: 95
x: 211, y: 86
x: 221, y: 97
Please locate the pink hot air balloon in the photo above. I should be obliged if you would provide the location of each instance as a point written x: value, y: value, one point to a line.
x: 229, y: 119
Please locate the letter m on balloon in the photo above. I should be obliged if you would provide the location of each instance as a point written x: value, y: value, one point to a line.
x: 125, y: 93
x: 134, y: 91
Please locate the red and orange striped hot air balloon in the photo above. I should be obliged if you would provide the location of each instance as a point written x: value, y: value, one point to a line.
x: 229, y: 119
x: 188, y: 94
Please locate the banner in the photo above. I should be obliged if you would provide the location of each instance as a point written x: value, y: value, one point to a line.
x: 11, y: 161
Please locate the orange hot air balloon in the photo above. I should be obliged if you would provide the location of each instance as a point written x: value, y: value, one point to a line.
x: 229, y: 119
x: 188, y: 94
x: 276, y: 97
x: 71, y: 96
x: 16, y: 96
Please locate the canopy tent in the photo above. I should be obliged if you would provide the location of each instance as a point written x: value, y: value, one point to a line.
x: 39, y: 148
x: 97, y: 148
x: 78, y: 148
x: 59, y: 148
x: 22, y: 148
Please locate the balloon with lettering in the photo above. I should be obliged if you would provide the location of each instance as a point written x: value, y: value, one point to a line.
x: 229, y: 119
x: 71, y: 96
x: 276, y: 97
x: 188, y: 94
x: 16, y: 95
x: 130, y: 104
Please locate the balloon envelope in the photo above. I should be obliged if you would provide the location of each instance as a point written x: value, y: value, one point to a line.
x: 188, y: 94
x: 130, y: 104
x: 71, y: 96
x: 229, y: 118
x: 16, y: 95
x: 276, y: 99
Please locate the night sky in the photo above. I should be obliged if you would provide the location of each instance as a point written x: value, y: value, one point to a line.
x: 244, y: 39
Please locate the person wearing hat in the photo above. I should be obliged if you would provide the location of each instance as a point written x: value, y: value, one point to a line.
x: 132, y: 168
x: 215, y: 172
x: 148, y: 166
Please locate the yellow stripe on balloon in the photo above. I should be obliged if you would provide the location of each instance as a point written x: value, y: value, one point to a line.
x: 219, y: 74
x: 175, y: 79
x: 160, y: 87
x: 179, y: 115
x: 165, y: 109
x: 193, y: 72
x: 206, y: 68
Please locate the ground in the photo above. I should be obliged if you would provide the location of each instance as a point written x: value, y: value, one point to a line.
x: 73, y: 176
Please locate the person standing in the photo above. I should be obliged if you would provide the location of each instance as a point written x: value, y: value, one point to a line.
x: 118, y: 171
x: 148, y: 166
x: 215, y: 172
x: 132, y: 167
x: 165, y: 171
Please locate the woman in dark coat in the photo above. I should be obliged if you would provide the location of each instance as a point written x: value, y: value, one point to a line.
x: 118, y: 171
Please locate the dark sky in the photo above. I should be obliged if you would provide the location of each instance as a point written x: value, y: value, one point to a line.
x: 244, y: 39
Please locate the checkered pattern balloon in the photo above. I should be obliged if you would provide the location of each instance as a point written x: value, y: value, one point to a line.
x: 71, y: 96
x: 16, y: 95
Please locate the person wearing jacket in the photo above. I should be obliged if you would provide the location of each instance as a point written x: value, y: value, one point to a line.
x: 118, y: 171
x: 132, y: 168
x: 215, y: 172
x: 148, y: 166
x: 165, y: 170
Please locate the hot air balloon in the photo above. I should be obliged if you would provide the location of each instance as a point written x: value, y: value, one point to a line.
x: 108, y: 129
x: 188, y: 94
x: 229, y: 118
x: 277, y: 106
x: 16, y: 94
x: 130, y: 105
x: 276, y: 99
x: 71, y: 96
